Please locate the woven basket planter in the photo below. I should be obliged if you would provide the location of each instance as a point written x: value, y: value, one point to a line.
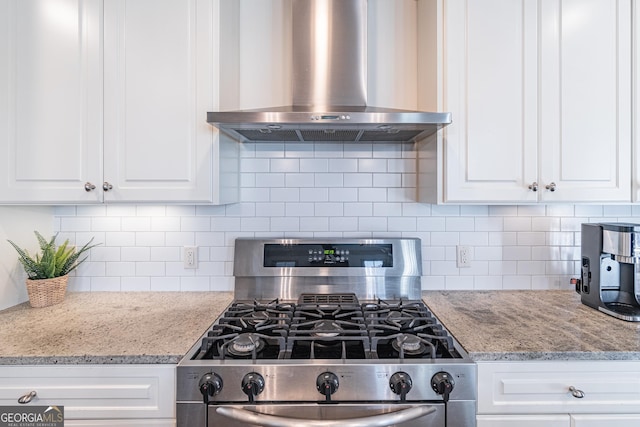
x: 46, y: 292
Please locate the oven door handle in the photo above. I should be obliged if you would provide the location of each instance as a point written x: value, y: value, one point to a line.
x: 378, y: 420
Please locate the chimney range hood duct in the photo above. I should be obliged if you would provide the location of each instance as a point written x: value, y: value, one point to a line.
x: 329, y: 87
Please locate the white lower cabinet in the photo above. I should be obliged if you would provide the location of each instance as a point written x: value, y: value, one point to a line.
x: 547, y: 393
x: 522, y: 421
x: 97, y: 395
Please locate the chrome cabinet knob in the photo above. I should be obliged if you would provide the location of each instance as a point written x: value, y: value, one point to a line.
x: 534, y: 186
x: 106, y: 186
x: 26, y: 398
x: 578, y: 394
x: 551, y: 187
x: 89, y: 187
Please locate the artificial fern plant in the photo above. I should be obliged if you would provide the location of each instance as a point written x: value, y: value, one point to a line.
x: 53, y: 261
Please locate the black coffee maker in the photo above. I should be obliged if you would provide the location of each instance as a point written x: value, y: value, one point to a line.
x: 610, y: 276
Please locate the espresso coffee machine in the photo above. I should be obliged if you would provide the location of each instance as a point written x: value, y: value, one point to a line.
x: 610, y: 276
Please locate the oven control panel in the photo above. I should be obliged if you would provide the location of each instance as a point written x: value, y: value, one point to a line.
x: 333, y: 255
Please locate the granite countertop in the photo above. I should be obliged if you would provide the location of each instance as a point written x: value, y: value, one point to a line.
x: 108, y: 327
x: 533, y: 325
x: 160, y: 327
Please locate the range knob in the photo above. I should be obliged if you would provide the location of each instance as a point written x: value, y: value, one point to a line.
x: 442, y: 383
x: 327, y: 383
x: 400, y: 383
x: 252, y: 385
x: 210, y: 384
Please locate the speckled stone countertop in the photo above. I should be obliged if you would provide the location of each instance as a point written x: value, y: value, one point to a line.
x: 160, y: 327
x: 533, y: 325
x: 108, y: 327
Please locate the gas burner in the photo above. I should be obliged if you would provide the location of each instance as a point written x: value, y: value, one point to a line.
x: 409, y: 344
x: 245, y: 345
x: 398, y: 318
x: 257, y: 318
x: 327, y: 329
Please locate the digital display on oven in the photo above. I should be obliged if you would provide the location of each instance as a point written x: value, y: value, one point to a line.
x: 328, y: 255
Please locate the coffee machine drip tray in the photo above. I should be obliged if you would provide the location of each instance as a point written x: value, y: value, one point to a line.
x: 628, y: 312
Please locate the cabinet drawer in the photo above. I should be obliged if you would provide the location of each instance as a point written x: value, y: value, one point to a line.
x: 95, y: 391
x: 543, y: 387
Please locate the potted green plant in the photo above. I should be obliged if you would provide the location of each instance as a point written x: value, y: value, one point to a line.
x: 48, y: 271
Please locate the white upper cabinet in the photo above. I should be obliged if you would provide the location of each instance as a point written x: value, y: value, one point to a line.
x: 50, y: 100
x: 635, y: 104
x: 113, y: 96
x: 159, y: 85
x: 540, y: 93
x: 585, y: 100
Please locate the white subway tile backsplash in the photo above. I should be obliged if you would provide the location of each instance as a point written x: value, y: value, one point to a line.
x: 243, y: 209
x: 474, y: 210
x: 516, y: 253
x: 387, y: 209
x: 168, y: 253
x: 517, y: 224
x: 400, y: 224
x: 314, y: 165
x: 372, y: 165
x: 135, y: 223
x: 75, y: 224
x: 299, y: 180
x: 135, y: 284
x: 330, y: 190
x: 372, y: 224
x: 561, y: 210
x: 257, y: 194
x: 617, y: 211
x: 298, y: 150
x: 473, y: 238
x: 343, y: 165
x: 118, y: 269
x: 459, y: 224
x: 284, y: 194
x: 178, y: 238
x: 459, y: 283
x: 526, y: 238
x: 133, y: 254
x: 342, y: 224
x: 151, y: 210
x: 387, y: 180
x: 270, y: 180
x: 318, y: 194
x: 165, y: 284
x: 358, y: 150
x: 200, y: 284
x: 299, y: 209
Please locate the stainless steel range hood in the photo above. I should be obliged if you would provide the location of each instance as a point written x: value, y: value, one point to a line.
x: 329, y: 87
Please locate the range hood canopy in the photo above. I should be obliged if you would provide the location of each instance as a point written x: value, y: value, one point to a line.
x: 329, y: 87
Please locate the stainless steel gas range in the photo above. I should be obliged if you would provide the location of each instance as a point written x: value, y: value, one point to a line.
x: 328, y: 332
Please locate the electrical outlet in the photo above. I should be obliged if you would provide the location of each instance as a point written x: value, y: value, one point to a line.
x: 463, y: 258
x: 190, y: 257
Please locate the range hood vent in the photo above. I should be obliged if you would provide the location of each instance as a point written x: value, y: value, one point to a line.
x: 329, y: 87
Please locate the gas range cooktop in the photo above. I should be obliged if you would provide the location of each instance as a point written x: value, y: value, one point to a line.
x: 327, y: 326
x: 321, y: 327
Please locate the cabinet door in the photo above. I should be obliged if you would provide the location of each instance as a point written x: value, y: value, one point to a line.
x: 545, y: 387
x: 585, y: 100
x: 605, y: 420
x: 522, y: 420
x: 158, y: 146
x: 95, y: 392
x: 490, y: 149
x: 50, y: 100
